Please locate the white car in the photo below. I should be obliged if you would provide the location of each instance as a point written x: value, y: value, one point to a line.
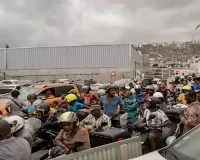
x: 9, y: 82
x: 185, y: 148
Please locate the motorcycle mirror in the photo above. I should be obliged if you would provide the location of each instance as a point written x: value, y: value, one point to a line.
x: 152, y: 116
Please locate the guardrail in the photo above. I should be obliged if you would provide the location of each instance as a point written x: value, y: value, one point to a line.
x: 123, y: 150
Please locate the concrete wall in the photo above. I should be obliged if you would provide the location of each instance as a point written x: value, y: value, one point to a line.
x: 99, y: 74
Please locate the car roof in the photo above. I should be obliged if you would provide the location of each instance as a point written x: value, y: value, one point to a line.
x: 50, y: 85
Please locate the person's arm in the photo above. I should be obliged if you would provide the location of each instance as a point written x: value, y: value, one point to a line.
x: 8, y: 108
x: 107, y: 120
x: 86, y: 107
x: 59, y: 139
x: 121, y: 104
x: 165, y: 121
x: 85, y: 121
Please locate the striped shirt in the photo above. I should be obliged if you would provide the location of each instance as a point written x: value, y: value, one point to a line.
x: 90, y: 119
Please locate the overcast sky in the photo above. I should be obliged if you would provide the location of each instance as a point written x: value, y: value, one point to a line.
x: 29, y: 23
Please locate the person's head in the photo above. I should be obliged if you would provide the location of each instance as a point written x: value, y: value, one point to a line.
x: 15, y: 93
x: 5, y: 130
x: 63, y: 96
x: 186, y: 89
x: 163, y: 85
x: 185, y: 82
x: 68, y: 121
x: 153, y: 103
x: 159, y: 95
x: 72, y: 91
x: 95, y: 110
x: 197, y: 80
x: 101, y: 92
x: 190, y: 96
x: 86, y: 89
x: 138, y: 88
x: 48, y: 92
x: 150, y: 90
x: 71, y: 99
x: 43, y: 111
x: 111, y: 91
x: 31, y: 98
x: 16, y: 123
x: 189, y: 78
x: 128, y: 94
x: 116, y: 87
x: 154, y: 82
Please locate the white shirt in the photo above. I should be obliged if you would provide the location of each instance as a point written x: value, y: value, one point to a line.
x: 96, y: 123
x: 159, y: 119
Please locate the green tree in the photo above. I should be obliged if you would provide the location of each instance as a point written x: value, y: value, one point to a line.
x: 7, y: 46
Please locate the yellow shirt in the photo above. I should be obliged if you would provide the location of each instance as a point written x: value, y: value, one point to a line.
x: 182, y: 98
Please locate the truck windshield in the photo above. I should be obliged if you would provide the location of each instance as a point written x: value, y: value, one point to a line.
x: 24, y: 92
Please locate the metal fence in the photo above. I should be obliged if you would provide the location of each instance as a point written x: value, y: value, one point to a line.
x: 123, y: 150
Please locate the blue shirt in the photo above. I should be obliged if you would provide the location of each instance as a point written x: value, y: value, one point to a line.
x: 76, y: 107
x: 196, y: 86
x: 30, y: 108
x: 110, y: 108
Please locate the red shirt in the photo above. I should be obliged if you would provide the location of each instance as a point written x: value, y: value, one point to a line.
x: 88, y: 99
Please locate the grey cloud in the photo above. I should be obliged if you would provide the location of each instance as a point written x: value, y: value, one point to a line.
x: 76, y: 22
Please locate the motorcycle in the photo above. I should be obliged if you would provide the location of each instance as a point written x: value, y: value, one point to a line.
x: 139, y: 128
x: 54, y: 152
x: 45, y: 136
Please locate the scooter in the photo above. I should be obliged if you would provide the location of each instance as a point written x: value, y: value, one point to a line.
x: 140, y: 129
x: 54, y: 152
x: 45, y: 136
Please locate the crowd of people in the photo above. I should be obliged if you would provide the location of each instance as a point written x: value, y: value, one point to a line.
x: 130, y: 103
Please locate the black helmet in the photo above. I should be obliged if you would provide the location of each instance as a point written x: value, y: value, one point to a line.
x: 153, y: 102
x: 116, y: 87
x: 32, y: 96
x: 44, y: 109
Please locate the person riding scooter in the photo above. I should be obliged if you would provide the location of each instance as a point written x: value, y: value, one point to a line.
x: 149, y: 91
x: 71, y: 133
x: 18, y: 128
x: 163, y: 105
x: 155, y: 125
x: 181, y: 98
x: 43, y: 113
x: 131, y: 107
x: 87, y: 96
x: 11, y: 147
x: 74, y: 106
x: 30, y: 108
x: 163, y: 89
x: 140, y: 97
x: 95, y: 119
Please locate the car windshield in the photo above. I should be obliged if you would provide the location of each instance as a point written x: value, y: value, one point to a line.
x: 24, y: 92
x: 188, y: 146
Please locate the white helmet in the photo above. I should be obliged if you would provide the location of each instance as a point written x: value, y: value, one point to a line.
x: 137, y: 87
x: 85, y: 87
x: 158, y: 95
x: 38, y: 102
x: 16, y: 123
x: 128, y: 87
x: 101, y: 92
x: 133, y: 91
x: 68, y: 117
